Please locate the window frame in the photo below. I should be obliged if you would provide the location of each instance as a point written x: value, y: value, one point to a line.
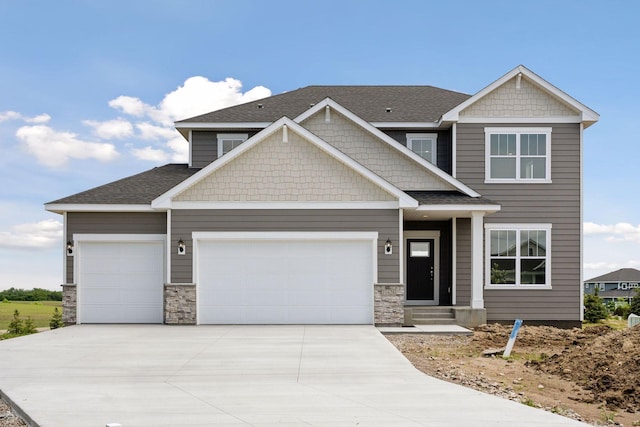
x: 433, y: 137
x: 518, y: 131
x: 229, y: 137
x: 489, y: 227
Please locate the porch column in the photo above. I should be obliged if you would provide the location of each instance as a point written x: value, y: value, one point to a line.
x: 477, y: 261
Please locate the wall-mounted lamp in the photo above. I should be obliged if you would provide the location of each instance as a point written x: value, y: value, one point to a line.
x: 70, y: 248
x: 182, y: 247
x: 388, y: 247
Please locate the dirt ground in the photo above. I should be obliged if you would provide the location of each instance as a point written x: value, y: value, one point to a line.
x: 591, y: 374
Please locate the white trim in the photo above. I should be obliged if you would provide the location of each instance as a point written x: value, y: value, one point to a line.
x: 285, y: 205
x: 64, y: 248
x: 588, y: 116
x: 424, y: 234
x: 405, y: 125
x: 518, y: 120
x: 401, y: 247
x: 433, y: 137
x: 581, y: 302
x: 190, y: 139
x: 477, y: 261
x: 221, y: 137
x: 69, y: 207
x: 517, y: 228
x: 220, y: 125
x: 165, y: 200
x: 454, y: 259
x: 392, y: 142
x: 454, y: 148
x: 168, y: 247
x: 517, y: 131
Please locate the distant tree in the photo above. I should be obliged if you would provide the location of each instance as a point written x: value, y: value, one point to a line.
x: 35, y: 294
x: 635, y: 302
x: 17, y: 325
x: 56, y: 320
x: 594, y: 308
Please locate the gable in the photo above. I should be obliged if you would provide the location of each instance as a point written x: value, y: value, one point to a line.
x: 373, y: 153
x: 527, y: 100
x: 275, y: 171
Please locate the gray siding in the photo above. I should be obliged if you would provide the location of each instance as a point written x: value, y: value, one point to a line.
x: 112, y: 223
x: 557, y: 203
x: 463, y: 259
x: 184, y: 222
x: 443, y: 147
x: 204, y: 145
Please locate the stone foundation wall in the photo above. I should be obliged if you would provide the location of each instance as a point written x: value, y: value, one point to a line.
x: 388, y: 304
x: 69, y: 304
x: 180, y: 304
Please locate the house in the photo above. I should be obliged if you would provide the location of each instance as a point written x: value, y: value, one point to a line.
x: 619, y: 284
x: 345, y: 204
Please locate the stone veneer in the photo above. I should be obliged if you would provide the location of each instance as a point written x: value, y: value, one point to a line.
x: 180, y: 304
x: 69, y: 304
x: 388, y: 304
x: 509, y: 101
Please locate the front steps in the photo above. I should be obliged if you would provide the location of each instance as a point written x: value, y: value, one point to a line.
x: 429, y: 315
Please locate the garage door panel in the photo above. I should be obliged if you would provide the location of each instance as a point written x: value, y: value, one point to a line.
x: 120, y: 282
x: 285, y: 281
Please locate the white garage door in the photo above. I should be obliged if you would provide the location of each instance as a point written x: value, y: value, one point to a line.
x: 285, y: 281
x: 120, y: 282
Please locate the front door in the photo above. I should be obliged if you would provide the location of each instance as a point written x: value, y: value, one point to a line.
x: 421, y: 270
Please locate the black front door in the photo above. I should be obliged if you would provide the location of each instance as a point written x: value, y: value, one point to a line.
x: 420, y: 269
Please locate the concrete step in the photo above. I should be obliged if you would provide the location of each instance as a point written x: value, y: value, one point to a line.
x: 434, y: 321
x: 423, y: 315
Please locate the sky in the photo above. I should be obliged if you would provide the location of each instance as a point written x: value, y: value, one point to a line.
x: 89, y: 90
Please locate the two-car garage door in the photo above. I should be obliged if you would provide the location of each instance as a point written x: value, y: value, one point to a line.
x: 277, y: 280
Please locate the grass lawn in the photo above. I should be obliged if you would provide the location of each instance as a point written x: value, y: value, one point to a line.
x: 40, y: 312
x: 612, y: 322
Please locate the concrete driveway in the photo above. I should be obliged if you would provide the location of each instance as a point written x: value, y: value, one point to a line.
x: 156, y: 375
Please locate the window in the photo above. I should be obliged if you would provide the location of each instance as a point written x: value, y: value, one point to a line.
x: 518, y: 154
x: 229, y: 141
x: 424, y: 145
x: 518, y: 255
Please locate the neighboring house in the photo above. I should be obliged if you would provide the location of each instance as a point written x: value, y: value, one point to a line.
x: 617, y: 284
x: 345, y: 204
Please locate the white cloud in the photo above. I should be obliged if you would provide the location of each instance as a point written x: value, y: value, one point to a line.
x: 129, y: 105
x: 151, y: 131
x: 111, y: 129
x: 53, y: 148
x: 37, y: 235
x: 13, y: 115
x: 621, y: 231
x: 150, y: 154
x: 180, y: 148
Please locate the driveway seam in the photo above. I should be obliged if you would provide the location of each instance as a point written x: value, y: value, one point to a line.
x: 304, y: 333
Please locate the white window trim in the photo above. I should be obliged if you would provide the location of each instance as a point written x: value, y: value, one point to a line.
x: 433, y: 137
x: 226, y: 136
x: 516, y: 130
x: 518, y: 227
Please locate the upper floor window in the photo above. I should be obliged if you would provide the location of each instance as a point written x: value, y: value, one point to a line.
x: 229, y: 141
x: 518, y: 255
x: 518, y: 155
x: 423, y: 144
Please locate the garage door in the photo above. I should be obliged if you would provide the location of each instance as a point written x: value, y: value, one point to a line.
x: 120, y: 282
x: 283, y: 281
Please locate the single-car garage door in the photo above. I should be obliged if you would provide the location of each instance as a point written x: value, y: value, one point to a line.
x: 285, y: 280
x: 120, y: 282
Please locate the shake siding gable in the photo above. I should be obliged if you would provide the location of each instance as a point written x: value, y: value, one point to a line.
x: 277, y: 171
x: 185, y: 222
x: 111, y: 223
x: 373, y: 153
x: 557, y: 203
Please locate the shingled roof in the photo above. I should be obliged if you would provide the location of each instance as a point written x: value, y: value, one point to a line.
x: 140, y: 189
x: 447, y: 198
x: 622, y: 275
x: 371, y: 103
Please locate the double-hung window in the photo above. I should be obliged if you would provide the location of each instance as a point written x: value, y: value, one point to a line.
x: 424, y: 145
x: 521, y: 155
x: 518, y: 256
x: 229, y: 141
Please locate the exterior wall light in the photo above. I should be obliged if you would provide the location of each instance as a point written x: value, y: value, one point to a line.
x: 388, y: 247
x: 182, y: 247
x: 70, y: 248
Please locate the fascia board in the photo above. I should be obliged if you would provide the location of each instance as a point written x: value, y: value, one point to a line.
x: 392, y: 142
x: 461, y: 207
